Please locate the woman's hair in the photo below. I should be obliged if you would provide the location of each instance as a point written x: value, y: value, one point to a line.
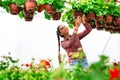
x: 58, y: 36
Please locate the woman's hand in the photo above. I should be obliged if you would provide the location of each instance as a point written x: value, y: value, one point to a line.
x: 83, y: 20
x: 77, y: 24
x: 78, y: 21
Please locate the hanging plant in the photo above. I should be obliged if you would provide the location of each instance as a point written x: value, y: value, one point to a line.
x: 68, y: 18
x: 30, y: 5
x: 77, y: 8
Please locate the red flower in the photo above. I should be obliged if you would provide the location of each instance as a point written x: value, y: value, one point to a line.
x: 44, y: 63
x: 114, y: 73
x: 27, y: 65
x: 40, y: 7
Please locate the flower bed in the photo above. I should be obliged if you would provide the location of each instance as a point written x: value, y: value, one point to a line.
x: 100, y: 70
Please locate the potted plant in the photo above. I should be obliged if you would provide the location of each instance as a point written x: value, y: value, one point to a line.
x: 77, y: 8
x: 116, y: 14
x: 10, y: 6
x: 30, y: 5
x: 21, y: 3
x: 99, y: 16
x: 89, y: 10
x: 54, y: 8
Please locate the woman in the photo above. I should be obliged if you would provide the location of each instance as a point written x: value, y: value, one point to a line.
x: 72, y: 44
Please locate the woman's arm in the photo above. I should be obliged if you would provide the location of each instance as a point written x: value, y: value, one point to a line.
x: 77, y: 24
x: 86, y: 31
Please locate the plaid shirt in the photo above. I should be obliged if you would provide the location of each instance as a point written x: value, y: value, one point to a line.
x: 72, y: 44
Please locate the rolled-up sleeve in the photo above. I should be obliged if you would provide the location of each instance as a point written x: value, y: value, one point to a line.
x: 85, y: 32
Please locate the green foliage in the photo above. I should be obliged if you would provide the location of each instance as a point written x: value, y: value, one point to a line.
x: 20, y: 3
x: 5, y: 4
x: 60, y: 72
x: 96, y: 71
x: 48, y: 1
x: 47, y: 16
x: 59, y: 5
x: 21, y: 14
x: 68, y: 17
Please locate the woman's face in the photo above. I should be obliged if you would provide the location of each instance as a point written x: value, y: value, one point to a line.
x: 63, y: 30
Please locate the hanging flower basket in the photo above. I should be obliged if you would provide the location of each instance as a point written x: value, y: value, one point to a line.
x: 116, y: 21
x: 109, y: 26
x: 56, y: 15
x: 91, y: 24
x: 28, y: 16
x: 48, y: 8
x: 90, y: 16
x: 14, y: 9
x: 100, y: 24
x: 77, y: 13
x: 108, y: 19
x: 30, y: 5
x: 99, y: 18
x: 115, y: 30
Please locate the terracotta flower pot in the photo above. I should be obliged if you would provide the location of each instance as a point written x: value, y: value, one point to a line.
x: 30, y: 5
x: 99, y: 28
x: 14, y: 9
x: 48, y: 8
x: 100, y: 25
x: 116, y: 21
x: 91, y: 24
x: 28, y: 16
x: 99, y: 18
x: 115, y: 0
x: 116, y: 27
x: 108, y: 19
x: 56, y: 15
x: 109, y: 25
x: 115, y: 30
x: 77, y: 13
x: 108, y: 29
x: 27, y: 13
x: 90, y: 16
